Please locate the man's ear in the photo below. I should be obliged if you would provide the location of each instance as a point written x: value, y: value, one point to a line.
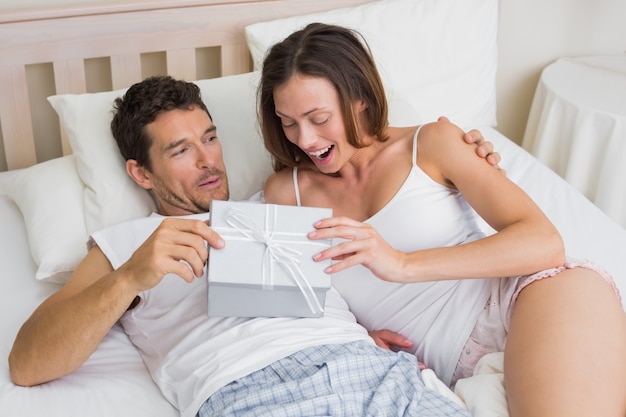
x: 138, y: 174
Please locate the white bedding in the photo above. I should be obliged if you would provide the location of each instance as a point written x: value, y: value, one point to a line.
x: 115, y: 382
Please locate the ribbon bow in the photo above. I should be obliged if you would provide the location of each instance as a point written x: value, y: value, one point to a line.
x: 275, y: 252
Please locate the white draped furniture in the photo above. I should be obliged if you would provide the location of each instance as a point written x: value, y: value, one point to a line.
x: 577, y: 126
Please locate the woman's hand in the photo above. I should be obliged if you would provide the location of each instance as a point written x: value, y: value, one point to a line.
x: 361, y: 244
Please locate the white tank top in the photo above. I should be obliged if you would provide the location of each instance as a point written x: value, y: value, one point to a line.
x: 191, y: 355
x: 437, y: 317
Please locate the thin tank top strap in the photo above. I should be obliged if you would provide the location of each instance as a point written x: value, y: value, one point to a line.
x: 414, y: 156
x: 295, y: 185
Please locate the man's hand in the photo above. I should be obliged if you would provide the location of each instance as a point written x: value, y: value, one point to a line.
x: 387, y: 339
x: 175, y: 240
x: 484, y: 148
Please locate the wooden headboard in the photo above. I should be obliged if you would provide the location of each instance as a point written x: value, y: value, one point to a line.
x: 112, y: 45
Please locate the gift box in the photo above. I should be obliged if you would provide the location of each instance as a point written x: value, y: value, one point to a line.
x: 266, y: 268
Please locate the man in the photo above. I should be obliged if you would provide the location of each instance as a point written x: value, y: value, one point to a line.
x: 204, y: 365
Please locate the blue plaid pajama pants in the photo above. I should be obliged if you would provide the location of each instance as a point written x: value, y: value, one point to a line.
x: 353, y: 379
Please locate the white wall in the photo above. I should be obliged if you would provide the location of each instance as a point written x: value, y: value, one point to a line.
x: 533, y: 33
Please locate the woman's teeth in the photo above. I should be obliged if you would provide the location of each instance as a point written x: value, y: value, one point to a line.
x: 322, y: 153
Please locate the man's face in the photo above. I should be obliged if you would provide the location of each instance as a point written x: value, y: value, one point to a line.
x: 187, y: 166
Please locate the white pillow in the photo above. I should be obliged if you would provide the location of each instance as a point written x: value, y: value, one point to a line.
x: 50, y: 197
x: 111, y: 195
x: 232, y: 103
x: 436, y: 57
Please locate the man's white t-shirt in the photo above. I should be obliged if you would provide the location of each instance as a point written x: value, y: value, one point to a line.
x: 191, y: 355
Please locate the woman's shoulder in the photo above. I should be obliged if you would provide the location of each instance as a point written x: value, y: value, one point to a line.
x: 404, y: 136
x: 279, y: 189
x: 399, y: 141
x: 439, y: 129
x: 440, y: 139
x: 439, y: 145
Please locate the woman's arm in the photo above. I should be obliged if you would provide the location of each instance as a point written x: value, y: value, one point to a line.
x: 525, y: 241
x: 484, y: 148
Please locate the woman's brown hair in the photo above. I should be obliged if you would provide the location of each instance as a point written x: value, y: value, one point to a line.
x: 332, y: 52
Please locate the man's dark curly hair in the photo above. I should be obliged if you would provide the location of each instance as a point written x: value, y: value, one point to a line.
x: 141, y: 105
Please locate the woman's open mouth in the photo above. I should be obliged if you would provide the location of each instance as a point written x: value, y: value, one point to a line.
x: 321, y: 154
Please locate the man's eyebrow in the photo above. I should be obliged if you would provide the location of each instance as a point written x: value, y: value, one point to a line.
x: 175, y: 144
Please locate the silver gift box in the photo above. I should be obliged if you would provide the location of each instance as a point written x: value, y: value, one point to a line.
x: 266, y: 268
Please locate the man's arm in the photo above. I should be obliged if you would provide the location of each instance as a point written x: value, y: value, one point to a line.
x: 68, y: 327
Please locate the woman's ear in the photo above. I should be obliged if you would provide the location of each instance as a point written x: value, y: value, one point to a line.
x: 358, y: 106
x: 358, y: 110
x: 138, y: 174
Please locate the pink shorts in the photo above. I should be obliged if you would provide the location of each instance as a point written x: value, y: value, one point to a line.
x: 489, y: 334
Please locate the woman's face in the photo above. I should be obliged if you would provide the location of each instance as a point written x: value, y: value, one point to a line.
x: 309, y: 111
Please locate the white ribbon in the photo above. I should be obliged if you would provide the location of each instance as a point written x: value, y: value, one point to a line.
x: 275, y: 252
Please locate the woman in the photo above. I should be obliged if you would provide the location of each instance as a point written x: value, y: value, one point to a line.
x: 411, y: 257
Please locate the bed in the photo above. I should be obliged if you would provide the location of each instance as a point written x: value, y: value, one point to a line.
x: 60, y: 69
